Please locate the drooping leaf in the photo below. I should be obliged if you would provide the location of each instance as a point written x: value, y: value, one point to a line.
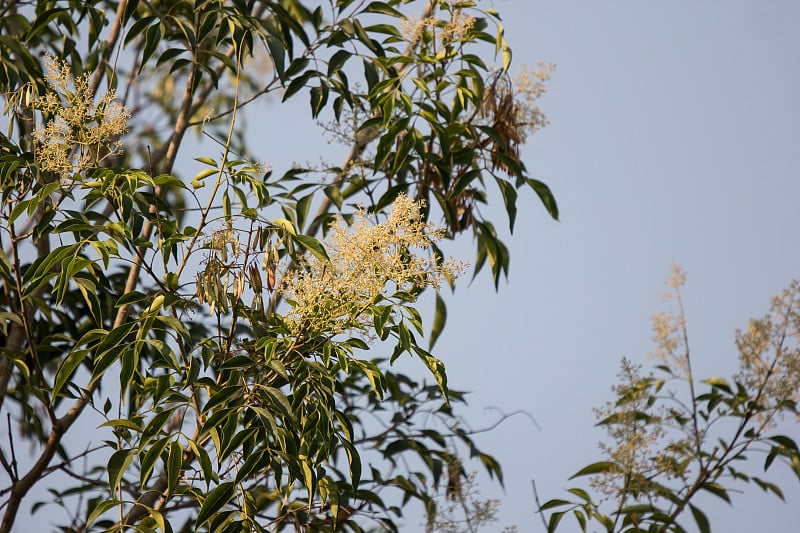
x: 215, y: 501
x: 599, y: 467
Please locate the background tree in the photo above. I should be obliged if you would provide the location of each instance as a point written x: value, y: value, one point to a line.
x: 673, y: 438
x: 206, y: 317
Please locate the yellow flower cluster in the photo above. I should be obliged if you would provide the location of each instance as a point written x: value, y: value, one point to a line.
x: 80, y: 132
x: 528, y: 87
x: 669, y: 330
x: 769, y: 355
x: 367, y: 261
x: 454, y: 30
x: 637, y: 450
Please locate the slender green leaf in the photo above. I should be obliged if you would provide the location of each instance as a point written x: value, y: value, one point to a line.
x: 594, y: 468
x: 700, y: 518
x: 215, y: 501
x: 118, y: 463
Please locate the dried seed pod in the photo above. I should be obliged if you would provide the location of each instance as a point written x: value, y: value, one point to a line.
x: 255, y: 279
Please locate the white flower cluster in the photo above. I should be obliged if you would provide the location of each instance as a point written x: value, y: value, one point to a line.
x: 367, y: 261
x: 78, y: 133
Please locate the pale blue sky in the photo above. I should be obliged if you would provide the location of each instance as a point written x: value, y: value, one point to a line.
x: 673, y: 137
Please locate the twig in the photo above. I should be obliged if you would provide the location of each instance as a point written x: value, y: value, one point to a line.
x: 538, y: 504
x: 62, y: 465
x: 12, y: 468
x: 111, y: 43
x: 506, y: 416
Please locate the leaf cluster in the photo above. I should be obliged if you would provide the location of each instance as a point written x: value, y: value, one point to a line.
x: 142, y: 296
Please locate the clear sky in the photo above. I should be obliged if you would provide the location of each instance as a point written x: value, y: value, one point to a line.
x: 673, y: 137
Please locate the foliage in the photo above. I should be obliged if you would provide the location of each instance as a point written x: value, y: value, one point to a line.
x: 176, y: 307
x: 673, y: 438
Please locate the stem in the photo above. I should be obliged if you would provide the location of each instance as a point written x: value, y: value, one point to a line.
x: 27, y: 314
x: 113, y: 35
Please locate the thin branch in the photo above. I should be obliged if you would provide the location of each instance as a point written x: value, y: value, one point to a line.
x: 538, y: 504
x: 27, y: 314
x: 110, y: 44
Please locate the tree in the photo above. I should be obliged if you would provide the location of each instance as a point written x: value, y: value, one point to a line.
x: 673, y: 438
x: 235, y: 346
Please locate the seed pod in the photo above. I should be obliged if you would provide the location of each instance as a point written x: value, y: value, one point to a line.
x: 255, y: 279
x: 270, y: 276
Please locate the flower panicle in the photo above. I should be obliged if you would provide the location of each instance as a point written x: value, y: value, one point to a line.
x: 367, y: 262
x: 78, y: 132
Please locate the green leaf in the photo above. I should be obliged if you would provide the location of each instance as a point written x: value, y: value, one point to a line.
x: 337, y: 61
x: 131, y: 297
x: 138, y: 27
x: 439, y: 320
x: 226, y: 208
x: 404, y: 335
x: 285, y: 225
x: 785, y: 442
x: 319, y: 97
x: 374, y: 376
x: 44, y: 19
x: 383, y: 8
x: 215, y: 501
x: 130, y: 363
x: 510, y: 200
x: 205, y: 462
x: 555, y: 518
x: 303, y: 205
x: 198, y: 182
x: 174, y: 465
x: 298, y: 83
x: 309, y: 478
x: 719, y: 383
x: 314, y: 246
x: 279, y: 400
x: 6, y: 317
x: 580, y: 493
x: 581, y: 518
x: 335, y: 195
x: 100, y: 509
x: 545, y: 195
x: 766, y: 486
x: 700, y: 519
x: 252, y: 462
x: 437, y: 369
x: 122, y: 423
x: 717, y: 490
x: 156, y: 424
x: 594, y: 468
x: 118, y: 463
x: 553, y: 503
x: 149, y: 461
x: 152, y: 37
x: 18, y: 209
x: 354, y: 460
x: 498, y: 40
x: 65, y: 370
x: 208, y: 161
x: 506, y: 58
